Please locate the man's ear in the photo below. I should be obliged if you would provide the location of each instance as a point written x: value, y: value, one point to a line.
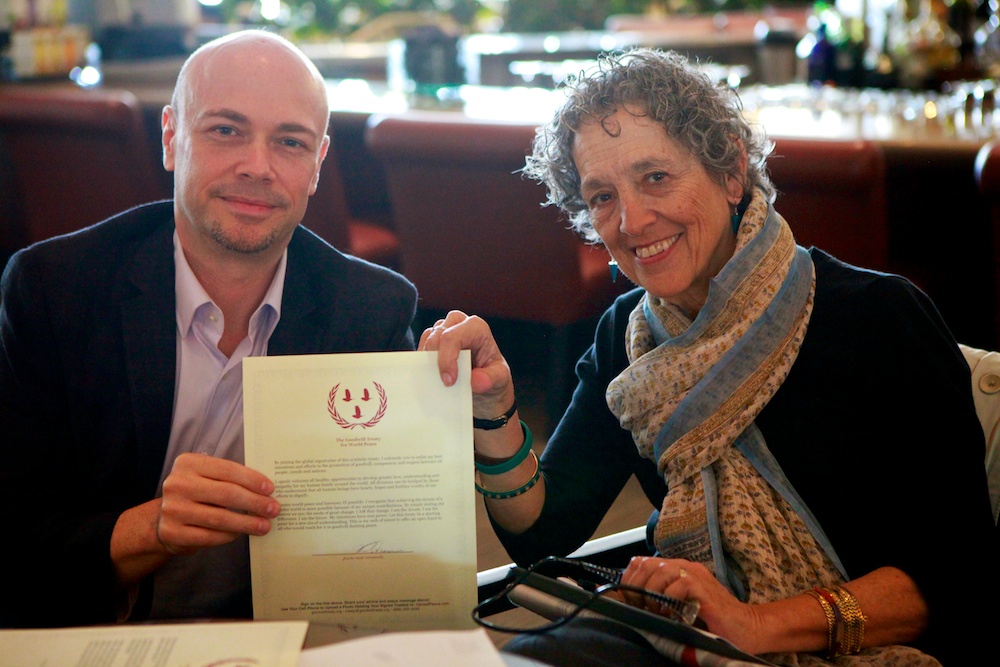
x: 323, y: 149
x: 168, y: 127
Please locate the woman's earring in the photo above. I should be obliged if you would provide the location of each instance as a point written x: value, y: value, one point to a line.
x: 734, y: 220
x: 613, y: 265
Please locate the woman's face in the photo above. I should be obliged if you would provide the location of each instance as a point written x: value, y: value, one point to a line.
x: 659, y: 213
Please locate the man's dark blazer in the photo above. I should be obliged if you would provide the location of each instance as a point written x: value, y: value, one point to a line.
x: 87, y: 368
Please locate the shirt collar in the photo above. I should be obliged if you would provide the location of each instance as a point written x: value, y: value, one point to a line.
x: 191, y: 295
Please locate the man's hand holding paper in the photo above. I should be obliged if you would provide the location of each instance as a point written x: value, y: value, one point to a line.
x: 208, y: 501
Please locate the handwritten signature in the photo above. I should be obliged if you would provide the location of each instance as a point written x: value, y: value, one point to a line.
x: 377, y: 548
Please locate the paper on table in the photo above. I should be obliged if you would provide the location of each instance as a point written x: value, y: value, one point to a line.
x: 372, y: 460
x: 276, y: 644
x: 446, y: 648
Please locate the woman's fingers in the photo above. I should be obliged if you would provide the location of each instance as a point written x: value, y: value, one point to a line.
x: 492, y: 385
x: 670, y: 577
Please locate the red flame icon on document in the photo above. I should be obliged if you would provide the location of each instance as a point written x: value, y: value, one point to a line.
x: 356, y: 408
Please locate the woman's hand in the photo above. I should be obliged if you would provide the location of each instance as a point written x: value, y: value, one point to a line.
x: 492, y: 385
x: 895, y: 609
x: 720, y: 612
x: 492, y: 396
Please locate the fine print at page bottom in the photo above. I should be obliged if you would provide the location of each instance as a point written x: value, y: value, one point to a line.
x: 372, y: 460
x: 157, y: 645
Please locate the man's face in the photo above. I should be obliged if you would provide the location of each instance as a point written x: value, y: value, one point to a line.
x: 245, y: 147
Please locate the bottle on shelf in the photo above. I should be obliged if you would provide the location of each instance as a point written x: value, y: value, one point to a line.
x: 987, y: 39
x: 852, y: 54
x: 822, y: 60
x: 932, y: 48
x: 963, y: 18
x: 837, y: 52
x: 895, y: 43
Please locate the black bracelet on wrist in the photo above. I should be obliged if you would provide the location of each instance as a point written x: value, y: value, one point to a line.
x: 493, y: 424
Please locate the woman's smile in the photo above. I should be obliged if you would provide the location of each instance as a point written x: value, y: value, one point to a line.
x: 645, y: 252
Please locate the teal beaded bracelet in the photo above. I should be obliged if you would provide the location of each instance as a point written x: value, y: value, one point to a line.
x: 512, y: 462
x: 504, y: 495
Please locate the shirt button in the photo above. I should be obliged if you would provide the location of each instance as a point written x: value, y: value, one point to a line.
x: 990, y: 383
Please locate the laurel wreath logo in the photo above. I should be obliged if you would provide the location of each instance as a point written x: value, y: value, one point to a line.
x: 331, y: 406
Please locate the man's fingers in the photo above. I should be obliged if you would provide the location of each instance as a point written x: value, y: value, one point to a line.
x: 209, y: 501
x: 184, y: 525
x: 222, y: 470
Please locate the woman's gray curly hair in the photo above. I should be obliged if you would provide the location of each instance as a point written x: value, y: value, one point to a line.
x: 703, y: 116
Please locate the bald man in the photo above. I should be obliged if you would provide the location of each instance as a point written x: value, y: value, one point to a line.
x: 123, y: 494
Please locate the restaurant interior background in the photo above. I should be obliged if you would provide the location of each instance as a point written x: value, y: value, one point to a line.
x: 880, y: 43
x: 914, y: 78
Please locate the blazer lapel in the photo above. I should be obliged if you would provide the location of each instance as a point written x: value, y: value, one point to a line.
x: 300, y: 329
x: 149, y: 332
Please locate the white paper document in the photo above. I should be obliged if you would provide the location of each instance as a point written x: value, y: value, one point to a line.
x: 450, y: 648
x: 372, y: 460
x: 168, y: 645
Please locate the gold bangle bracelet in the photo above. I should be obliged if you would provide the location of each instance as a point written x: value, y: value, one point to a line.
x: 831, y: 619
x: 845, y: 620
x: 854, y: 620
